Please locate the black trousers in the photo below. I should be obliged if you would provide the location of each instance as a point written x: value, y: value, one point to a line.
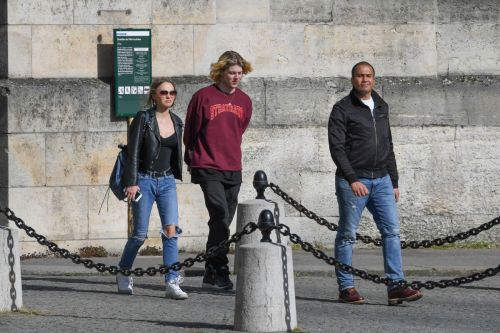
x: 221, y: 200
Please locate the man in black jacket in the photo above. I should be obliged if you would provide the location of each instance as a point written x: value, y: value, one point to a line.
x: 360, y: 141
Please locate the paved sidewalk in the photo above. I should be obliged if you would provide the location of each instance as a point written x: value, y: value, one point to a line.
x: 421, y: 262
x: 60, y: 296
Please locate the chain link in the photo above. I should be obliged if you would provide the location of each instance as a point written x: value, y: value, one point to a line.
x: 100, y: 267
x: 377, y: 241
x: 308, y: 247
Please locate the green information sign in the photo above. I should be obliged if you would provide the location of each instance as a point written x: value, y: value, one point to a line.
x: 132, y: 70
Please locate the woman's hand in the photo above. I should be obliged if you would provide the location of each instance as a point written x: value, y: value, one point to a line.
x: 131, y: 191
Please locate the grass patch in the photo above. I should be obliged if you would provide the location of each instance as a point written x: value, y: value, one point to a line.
x: 22, y: 311
x: 470, y: 245
x: 92, y: 251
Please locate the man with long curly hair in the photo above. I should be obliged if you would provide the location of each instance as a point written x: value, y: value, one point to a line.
x: 216, y: 119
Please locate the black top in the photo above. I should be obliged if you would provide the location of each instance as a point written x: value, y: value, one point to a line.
x: 144, y: 146
x: 167, y: 146
x: 202, y: 175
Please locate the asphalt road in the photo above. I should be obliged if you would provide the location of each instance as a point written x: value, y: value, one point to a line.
x: 91, y: 304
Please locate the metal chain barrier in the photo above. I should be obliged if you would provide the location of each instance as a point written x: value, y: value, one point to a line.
x: 88, y: 263
x: 377, y: 241
x: 308, y: 247
x: 248, y: 229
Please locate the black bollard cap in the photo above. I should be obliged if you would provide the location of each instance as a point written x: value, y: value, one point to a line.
x: 266, y: 224
x: 260, y: 183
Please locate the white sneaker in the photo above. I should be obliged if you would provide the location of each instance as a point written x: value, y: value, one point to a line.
x: 125, y: 284
x: 172, y: 289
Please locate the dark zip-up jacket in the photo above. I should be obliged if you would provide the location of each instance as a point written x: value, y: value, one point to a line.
x: 144, y: 146
x: 361, y: 144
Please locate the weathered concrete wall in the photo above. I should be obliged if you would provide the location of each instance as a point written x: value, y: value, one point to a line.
x: 437, y: 66
x: 69, y: 38
x: 60, y: 153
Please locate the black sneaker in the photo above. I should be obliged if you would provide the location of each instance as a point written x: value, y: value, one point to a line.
x: 217, y: 279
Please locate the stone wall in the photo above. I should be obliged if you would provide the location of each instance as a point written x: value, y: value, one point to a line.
x: 437, y: 66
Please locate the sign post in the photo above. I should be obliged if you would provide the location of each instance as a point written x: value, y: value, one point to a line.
x: 132, y: 59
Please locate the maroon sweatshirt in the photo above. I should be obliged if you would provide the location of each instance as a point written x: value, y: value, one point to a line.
x: 215, y: 123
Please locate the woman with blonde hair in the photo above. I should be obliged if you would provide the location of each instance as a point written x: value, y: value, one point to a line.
x: 216, y: 119
x: 154, y: 161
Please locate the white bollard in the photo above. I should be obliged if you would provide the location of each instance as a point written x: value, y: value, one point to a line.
x: 249, y: 211
x: 11, y: 296
x: 265, y: 289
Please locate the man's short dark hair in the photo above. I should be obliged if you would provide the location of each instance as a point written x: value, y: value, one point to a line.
x: 353, y: 71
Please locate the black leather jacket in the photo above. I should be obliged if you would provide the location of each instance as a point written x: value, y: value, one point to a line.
x: 144, y: 146
x: 361, y: 144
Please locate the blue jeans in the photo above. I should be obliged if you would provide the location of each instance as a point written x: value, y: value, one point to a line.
x: 163, y: 191
x: 382, y: 205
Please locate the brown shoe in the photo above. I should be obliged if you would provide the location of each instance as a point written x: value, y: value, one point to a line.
x: 399, y: 294
x: 351, y: 296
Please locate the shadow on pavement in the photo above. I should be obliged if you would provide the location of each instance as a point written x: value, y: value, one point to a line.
x: 179, y: 324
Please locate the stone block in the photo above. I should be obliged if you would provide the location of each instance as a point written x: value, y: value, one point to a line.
x: 59, y: 213
x: 318, y: 193
x: 477, y: 96
x: 348, y: 12
x: 425, y: 227
x: 303, y: 101
x: 173, y: 50
x: 19, y: 50
x: 26, y: 160
x: 53, y: 106
x: 468, y: 11
x: 40, y: 12
x: 11, y: 292
x: 402, y: 50
x: 279, y: 149
x: 109, y: 221
x: 477, y: 148
x: 61, y: 105
x: 468, y: 48
x: 307, y: 11
x: 64, y: 51
x: 461, y: 223
x: 255, y: 88
x: 4, y: 54
x: 98, y: 100
x: 4, y: 161
x: 282, y: 153
x: 3, y: 12
x: 321, y: 237
x: 282, y: 54
x: 423, y: 101
x: 83, y: 158
x: 184, y: 12
x: 206, y: 49
x: 241, y: 11
x: 4, y: 202
x: 186, y: 87
x: 112, y: 12
x: 193, y: 215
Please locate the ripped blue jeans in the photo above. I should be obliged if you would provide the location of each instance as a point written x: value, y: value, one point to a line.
x: 163, y: 191
x: 381, y: 204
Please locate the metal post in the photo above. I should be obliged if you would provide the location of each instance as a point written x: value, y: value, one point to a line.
x: 266, y: 224
x: 260, y: 183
